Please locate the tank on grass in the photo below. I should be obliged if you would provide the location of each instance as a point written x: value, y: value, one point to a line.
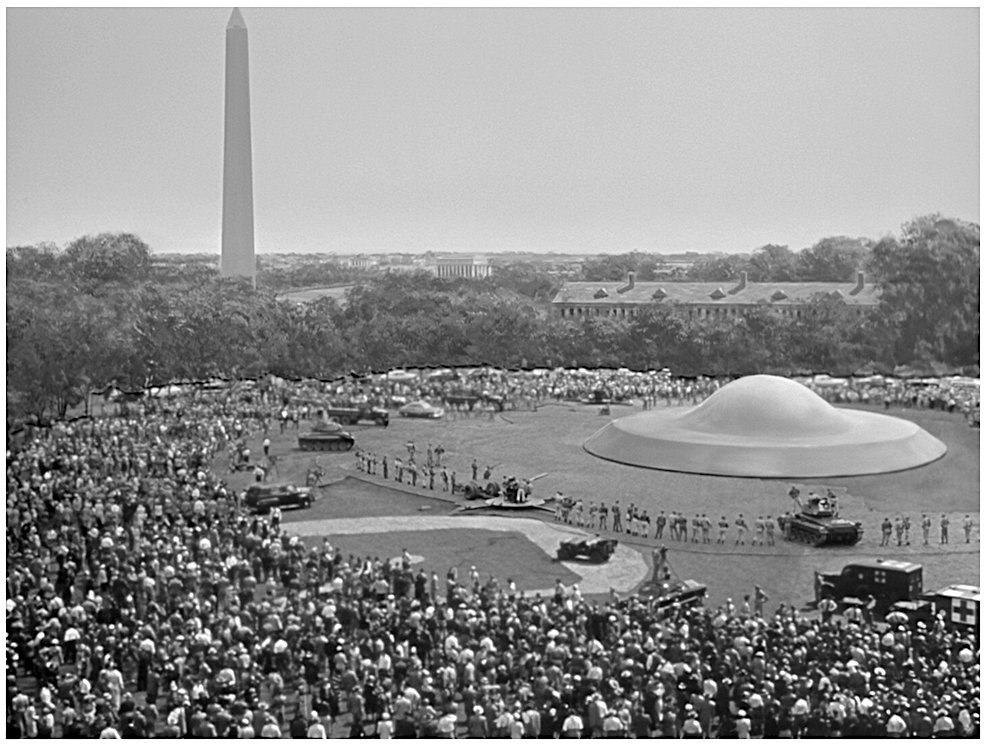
x: 818, y: 522
x: 326, y: 436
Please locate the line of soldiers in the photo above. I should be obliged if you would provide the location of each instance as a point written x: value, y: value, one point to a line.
x: 902, y: 527
x: 425, y: 473
x: 634, y: 522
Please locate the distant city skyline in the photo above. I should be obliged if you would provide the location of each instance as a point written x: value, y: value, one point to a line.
x: 573, y: 131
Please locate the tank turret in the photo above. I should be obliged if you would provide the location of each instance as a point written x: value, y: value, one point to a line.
x: 818, y: 523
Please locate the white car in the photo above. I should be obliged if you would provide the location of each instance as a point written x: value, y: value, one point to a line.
x: 421, y: 410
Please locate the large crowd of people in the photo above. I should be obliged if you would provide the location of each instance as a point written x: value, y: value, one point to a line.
x: 527, y: 389
x: 143, y: 599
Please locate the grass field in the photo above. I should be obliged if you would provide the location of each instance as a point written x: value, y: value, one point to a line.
x: 550, y: 440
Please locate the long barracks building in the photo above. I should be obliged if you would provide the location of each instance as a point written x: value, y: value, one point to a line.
x: 706, y: 299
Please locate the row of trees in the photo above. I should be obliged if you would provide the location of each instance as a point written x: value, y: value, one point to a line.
x: 834, y: 259
x: 102, y: 312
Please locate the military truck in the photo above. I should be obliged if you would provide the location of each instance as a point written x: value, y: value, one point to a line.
x: 355, y: 414
x: 956, y: 605
x: 473, y: 398
x: 596, y: 550
x: 326, y: 436
x: 887, y: 581
x: 818, y: 522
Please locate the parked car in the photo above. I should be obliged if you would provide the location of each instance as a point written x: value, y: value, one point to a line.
x: 262, y: 497
x: 421, y: 410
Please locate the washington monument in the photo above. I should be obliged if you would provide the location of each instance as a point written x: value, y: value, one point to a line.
x: 237, y: 256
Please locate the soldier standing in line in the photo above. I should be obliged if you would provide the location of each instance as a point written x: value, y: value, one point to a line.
x: 886, y: 527
x: 696, y: 527
x: 899, y: 529
x: 399, y: 467
x: 967, y: 527
x: 925, y: 527
x: 384, y: 464
x: 723, y: 527
x: 617, y: 518
x: 944, y: 528
x: 907, y: 530
x: 452, y: 480
x: 431, y: 478
x: 706, y: 528
x: 645, y: 527
x: 475, y: 470
x: 593, y: 511
x: 741, y: 528
x: 673, y: 525
x: 682, y: 526
x: 770, y: 526
x: 603, y: 516
x: 445, y: 481
x: 758, y: 530
x: 661, y: 522
x: 414, y: 473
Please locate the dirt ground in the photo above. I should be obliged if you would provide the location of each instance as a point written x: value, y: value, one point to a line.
x: 550, y: 441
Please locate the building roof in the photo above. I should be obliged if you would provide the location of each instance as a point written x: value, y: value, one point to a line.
x: 712, y: 293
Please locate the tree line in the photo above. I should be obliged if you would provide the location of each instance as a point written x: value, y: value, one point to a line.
x: 103, y: 311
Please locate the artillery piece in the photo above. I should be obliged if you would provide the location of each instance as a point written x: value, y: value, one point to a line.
x: 818, y: 522
x: 512, y: 490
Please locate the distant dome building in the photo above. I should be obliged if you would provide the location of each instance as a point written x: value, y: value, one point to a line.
x: 764, y: 426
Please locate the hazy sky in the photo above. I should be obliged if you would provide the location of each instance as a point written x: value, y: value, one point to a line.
x: 476, y: 130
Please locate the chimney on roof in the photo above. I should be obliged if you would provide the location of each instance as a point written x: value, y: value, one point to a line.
x: 742, y: 284
x: 629, y: 285
x: 860, y: 283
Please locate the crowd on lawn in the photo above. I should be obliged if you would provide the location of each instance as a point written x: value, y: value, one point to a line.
x: 276, y: 401
x: 527, y: 389
x: 143, y: 599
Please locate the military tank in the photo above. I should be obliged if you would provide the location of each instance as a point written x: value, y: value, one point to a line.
x: 326, y: 436
x: 818, y: 522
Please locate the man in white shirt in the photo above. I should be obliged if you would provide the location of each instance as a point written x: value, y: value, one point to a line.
x: 572, y: 726
x: 385, y: 727
x: 316, y: 730
x: 896, y: 726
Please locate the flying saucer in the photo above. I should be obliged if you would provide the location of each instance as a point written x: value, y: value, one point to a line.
x: 763, y: 426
